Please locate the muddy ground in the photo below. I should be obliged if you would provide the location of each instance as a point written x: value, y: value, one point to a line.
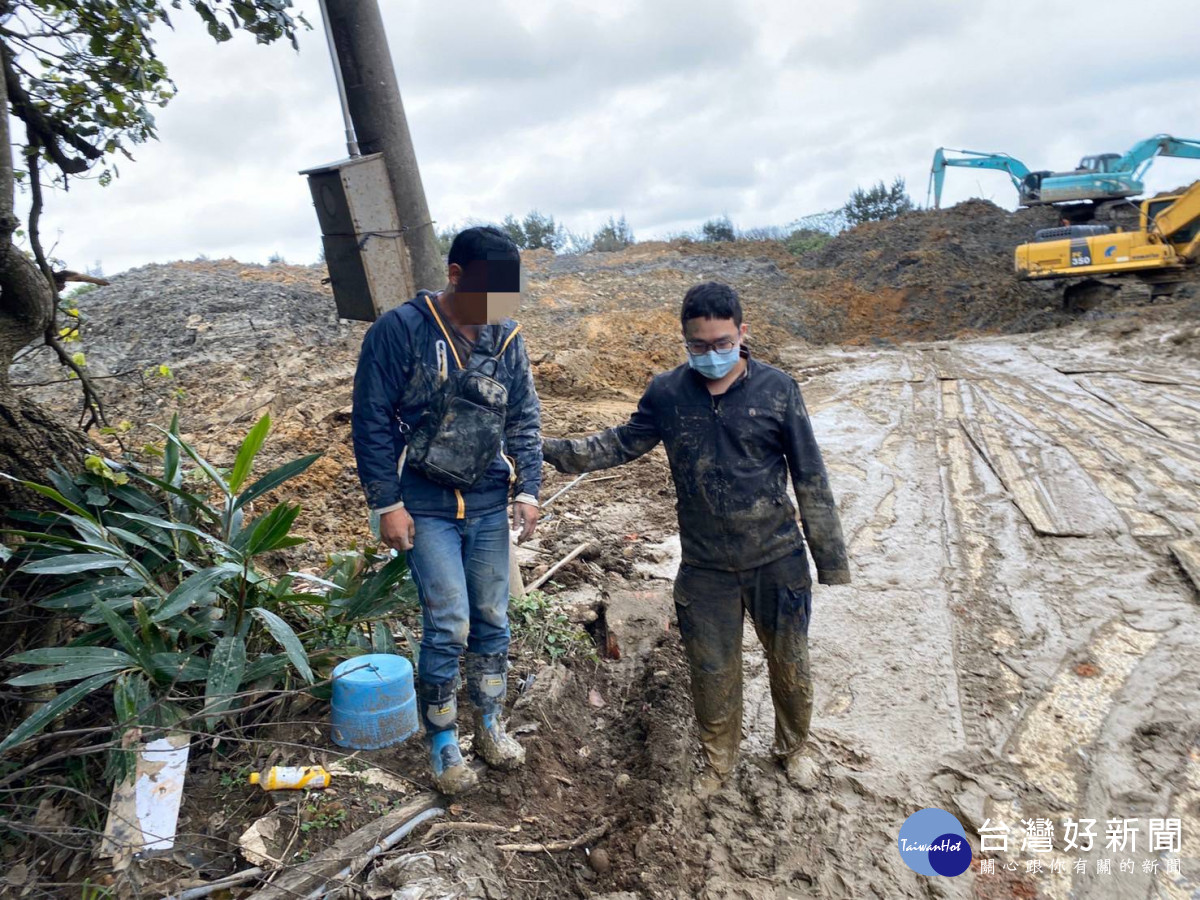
x: 1018, y: 640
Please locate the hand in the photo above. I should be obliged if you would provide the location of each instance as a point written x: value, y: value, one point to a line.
x: 397, y: 530
x: 525, y: 517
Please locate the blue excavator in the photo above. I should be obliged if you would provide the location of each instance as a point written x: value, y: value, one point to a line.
x: 1096, y: 180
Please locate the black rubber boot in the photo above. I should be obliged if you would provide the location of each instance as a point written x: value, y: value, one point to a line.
x: 487, y: 682
x: 438, y: 708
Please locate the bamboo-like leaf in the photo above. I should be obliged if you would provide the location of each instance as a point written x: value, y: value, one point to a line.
x: 180, y: 667
x: 73, y: 672
x: 381, y: 638
x: 213, y: 475
x: 178, y: 493
x: 177, y: 526
x: 73, y: 563
x: 275, y: 478
x: 55, y: 708
x: 62, y: 656
x: 246, y: 453
x: 226, y: 666
x: 265, y: 666
x: 124, y: 634
x: 82, y: 596
x: 194, y: 589
x: 131, y: 695
x: 55, y: 496
x: 282, y: 632
x: 271, y: 530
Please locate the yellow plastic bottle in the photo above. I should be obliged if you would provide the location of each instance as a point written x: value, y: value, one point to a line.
x: 292, y: 778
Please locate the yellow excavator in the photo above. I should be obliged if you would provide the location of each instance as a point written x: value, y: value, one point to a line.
x: 1165, y: 244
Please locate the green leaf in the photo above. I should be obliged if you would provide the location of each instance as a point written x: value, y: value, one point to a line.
x: 180, y: 667
x: 61, y: 656
x: 374, y: 597
x: 55, y: 496
x: 54, y: 709
x: 82, y: 596
x: 73, y: 563
x: 225, y: 669
x: 124, y: 634
x: 265, y: 666
x: 246, y: 453
x: 5, y: 553
x: 268, y: 532
x: 194, y: 589
x: 275, y: 478
x: 213, y: 475
x: 282, y: 632
x: 177, y: 526
x: 73, y: 672
x: 131, y: 695
x: 138, y: 541
x: 381, y: 638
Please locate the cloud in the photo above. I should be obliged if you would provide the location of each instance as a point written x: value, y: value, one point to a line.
x: 668, y: 112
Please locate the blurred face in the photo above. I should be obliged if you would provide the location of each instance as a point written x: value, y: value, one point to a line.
x: 486, y: 290
x: 702, y: 335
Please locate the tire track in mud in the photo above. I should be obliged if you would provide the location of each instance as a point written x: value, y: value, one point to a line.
x: 1052, y: 743
x: 1014, y: 614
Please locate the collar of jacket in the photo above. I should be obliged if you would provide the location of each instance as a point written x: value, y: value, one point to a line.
x: 751, y: 364
x: 493, y: 335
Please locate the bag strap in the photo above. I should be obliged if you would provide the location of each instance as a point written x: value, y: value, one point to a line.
x: 450, y: 342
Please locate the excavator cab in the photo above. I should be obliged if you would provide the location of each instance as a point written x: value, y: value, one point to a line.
x: 1101, y: 162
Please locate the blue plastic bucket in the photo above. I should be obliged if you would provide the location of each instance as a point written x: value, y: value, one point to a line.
x: 374, y: 704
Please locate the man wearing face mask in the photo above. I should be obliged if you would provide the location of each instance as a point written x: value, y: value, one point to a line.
x: 733, y: 429
x: 446, y: 428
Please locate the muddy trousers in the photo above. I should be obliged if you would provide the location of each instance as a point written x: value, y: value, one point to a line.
x: 710, y: 605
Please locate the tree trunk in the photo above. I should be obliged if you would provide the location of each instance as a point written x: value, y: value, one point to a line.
x: 31, y: 439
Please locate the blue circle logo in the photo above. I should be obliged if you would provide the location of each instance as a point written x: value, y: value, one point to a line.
x: 933, y: 842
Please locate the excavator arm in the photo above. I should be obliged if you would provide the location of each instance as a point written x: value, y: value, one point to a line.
x: 1174, y: 221
x: 1143, y: 153
x: 972, y: 159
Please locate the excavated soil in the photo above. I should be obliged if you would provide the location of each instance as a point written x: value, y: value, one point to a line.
x: 1019, y: 638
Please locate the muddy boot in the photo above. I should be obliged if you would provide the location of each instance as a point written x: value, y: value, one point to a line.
x: 439, y: 711
x: 708, y: 783
x: 487, y: 682
x: 802, y: 771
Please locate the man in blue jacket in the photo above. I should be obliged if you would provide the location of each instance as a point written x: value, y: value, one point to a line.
x: 457, y: 538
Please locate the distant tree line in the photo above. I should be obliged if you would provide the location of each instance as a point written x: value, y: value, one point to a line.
x: 537, y: 231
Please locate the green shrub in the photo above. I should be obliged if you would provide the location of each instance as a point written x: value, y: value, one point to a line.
x: 877, y: 203
x: 718, y: 230
x: 805, y: 240
x: 614, y: 235
x: 179, y: 614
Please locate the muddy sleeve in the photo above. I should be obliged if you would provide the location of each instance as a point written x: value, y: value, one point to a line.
x: 378, y: 385
x: 523, y: 425
x: 818, y: 509
x: 608, y: 448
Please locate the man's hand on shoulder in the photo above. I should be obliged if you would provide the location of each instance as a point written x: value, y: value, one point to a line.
x: 397, y: 530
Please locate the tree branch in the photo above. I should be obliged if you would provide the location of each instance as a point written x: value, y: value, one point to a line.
x: 93, y: 407
x: 48, y: 132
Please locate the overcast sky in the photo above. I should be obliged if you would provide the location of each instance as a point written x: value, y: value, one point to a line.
x: 667, y: 112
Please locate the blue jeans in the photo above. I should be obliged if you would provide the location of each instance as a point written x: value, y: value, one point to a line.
x: 460, y: 568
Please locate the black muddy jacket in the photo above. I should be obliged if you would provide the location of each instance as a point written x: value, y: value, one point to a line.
x: 730, y: 457
x: 396, y: 378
